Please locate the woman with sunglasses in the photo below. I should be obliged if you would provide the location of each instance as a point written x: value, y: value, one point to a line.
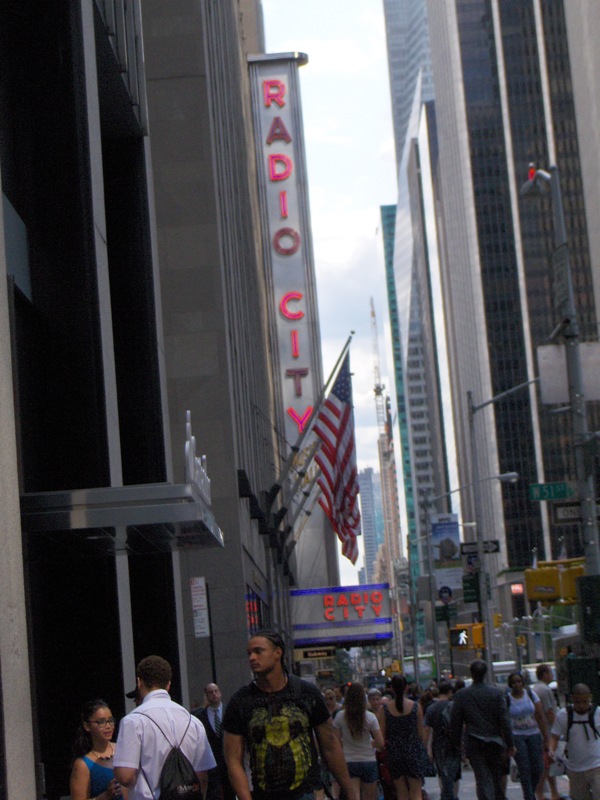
x: 92, y: 773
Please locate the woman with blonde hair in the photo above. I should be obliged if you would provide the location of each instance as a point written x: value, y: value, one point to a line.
x: 358, y: 731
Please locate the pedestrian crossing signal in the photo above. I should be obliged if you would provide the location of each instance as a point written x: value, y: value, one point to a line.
x: 468, y: 636
x: 461, y: 637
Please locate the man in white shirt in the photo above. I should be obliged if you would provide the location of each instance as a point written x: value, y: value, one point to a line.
x: 549, y: 707
x: 583, y: 743
x: 142, y: 747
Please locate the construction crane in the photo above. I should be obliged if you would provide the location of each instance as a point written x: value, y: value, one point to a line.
x: 389, y: 490
x: 387, y: 459
x: 378, y: 387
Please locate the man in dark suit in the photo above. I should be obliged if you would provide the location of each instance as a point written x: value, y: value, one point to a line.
x: 482, y: 712
x: 211, y: 716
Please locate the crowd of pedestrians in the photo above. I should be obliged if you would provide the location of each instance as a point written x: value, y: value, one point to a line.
x: 281, y: 738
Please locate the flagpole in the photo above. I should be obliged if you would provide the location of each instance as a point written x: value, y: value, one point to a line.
x: 276, y: 487
x: 312, y: 451
x: 308, y: 512
x: 307, y: 494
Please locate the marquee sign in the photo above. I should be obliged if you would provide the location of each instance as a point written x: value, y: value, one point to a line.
x: 341, y: 615
x: 285, y: 221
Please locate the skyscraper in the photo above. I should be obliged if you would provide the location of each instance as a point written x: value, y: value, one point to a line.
x: 409, y: 61
x: 371, y: 517
x: 411, y: 255
x: 505, y: 97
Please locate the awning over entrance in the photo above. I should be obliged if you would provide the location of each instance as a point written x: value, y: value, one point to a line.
x: 159, y: 516
x: 178, y: 513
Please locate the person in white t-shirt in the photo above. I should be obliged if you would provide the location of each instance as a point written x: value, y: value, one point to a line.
x: 358, y: 731
x: 549, y: 707
x: 583, y: 744
x: 147, y: 734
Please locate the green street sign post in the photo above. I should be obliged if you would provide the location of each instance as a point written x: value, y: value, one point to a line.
x: 471, y: 588
x: 560, y: 490
x: 446, y: 613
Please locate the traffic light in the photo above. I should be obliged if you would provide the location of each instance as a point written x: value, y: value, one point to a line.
x: 542, y: 584
x: 478, y: 640
x: 497, y: 620
x: 461, y: 637
x: 537, y: 181
x: 568, y: 583
x: 467, y: 636
x: 554, y: 581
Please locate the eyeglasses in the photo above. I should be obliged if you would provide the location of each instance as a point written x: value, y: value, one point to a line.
x: 102, y: 723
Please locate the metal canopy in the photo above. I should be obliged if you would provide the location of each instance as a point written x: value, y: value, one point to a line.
x: 157, y: 516
x: 179, y: 508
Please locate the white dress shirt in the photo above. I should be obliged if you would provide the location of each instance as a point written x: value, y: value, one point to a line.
x: 141, y: 745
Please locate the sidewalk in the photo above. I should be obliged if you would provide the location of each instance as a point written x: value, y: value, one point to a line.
x: 467, y: 787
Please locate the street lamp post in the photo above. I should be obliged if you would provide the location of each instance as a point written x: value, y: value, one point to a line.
x: 569, y: 328
x: 505, y: 477
x: 432, y: 594
x: 472, y: 409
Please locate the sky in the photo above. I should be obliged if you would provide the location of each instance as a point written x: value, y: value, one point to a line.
x: 346, y: 109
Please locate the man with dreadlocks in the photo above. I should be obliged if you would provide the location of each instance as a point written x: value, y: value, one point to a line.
x: 275, y: 719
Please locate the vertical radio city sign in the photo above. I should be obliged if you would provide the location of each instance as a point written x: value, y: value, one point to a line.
x: 285, y: 221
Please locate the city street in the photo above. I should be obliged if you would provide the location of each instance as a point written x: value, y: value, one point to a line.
x: 467, y: 787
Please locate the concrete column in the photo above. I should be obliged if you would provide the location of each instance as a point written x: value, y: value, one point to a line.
x: 18, y: 759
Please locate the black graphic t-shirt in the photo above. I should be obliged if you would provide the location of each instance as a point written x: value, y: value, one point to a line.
x: 278, y: 729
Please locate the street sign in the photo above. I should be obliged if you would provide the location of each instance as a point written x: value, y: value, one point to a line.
x: 319, y: 652
x: 446, y: 613
x: 568, y: 513
x: 560, y: 490
x: 489, y: 546
x: 471, y: 588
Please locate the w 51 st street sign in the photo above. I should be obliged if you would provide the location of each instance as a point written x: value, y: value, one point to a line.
x: 560, y: 490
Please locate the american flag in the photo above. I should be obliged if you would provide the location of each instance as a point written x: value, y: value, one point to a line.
x: 337, y: 461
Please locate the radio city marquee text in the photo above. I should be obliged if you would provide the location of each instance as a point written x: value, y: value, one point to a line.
x: 286, y: 241
x: 352, y: 605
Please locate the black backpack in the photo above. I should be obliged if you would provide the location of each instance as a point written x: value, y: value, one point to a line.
x: 589, y: 721
x: 445, y: 717
x: 178, y: 779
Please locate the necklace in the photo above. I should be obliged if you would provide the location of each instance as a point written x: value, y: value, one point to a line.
x: 105, y: 758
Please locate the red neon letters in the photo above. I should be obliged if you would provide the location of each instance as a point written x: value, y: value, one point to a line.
x: 274, y: 92
x: 278, y: 131
x: 281, y: 235
x: 297, y: 374
x: 278, y: 173
x: 351, y: 604
x: 295, y: 344
x: 286, y: 241
x: 285, y: 300
x: 300, y: 419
